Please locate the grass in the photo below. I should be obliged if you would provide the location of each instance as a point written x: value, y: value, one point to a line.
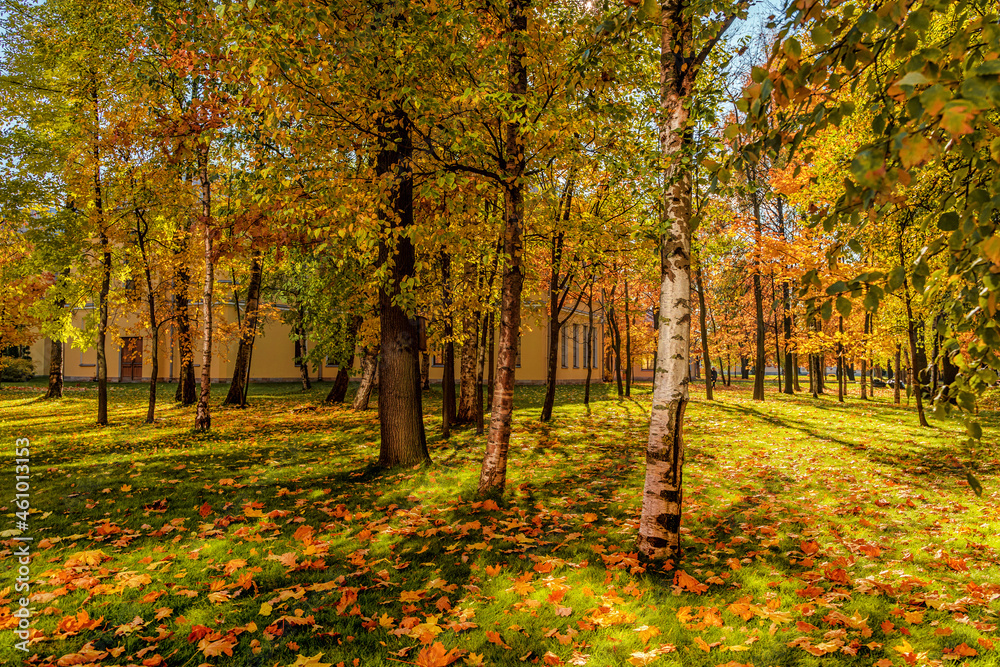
x: 816, y: 532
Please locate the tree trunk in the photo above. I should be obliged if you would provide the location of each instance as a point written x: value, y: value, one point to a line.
x: 491, y: 361
x: 841, y: 379
x: 660, y: 520
x: 864, y: 358
x: 589, y: 351
x: 702, y: 321
x: 616, y: 348
x: 400, y: 410
x: 795, y: 367
x: 493, y: 476
x: 248, y: 333
x: 895, y: 393
x: 425, y: 370
x: 744, y: 367
x: 185, y: 346
x: 369, y: 364
x: 915, y: 365
x: 55, y: 389
x: 758, y: 300
x: 448, y: 370
x: 467, y: 410
x: 338, y: 392
x: 102, y: 329
x: 203, y: 418
x: 154, y: 334
x: 480, y: 408
x: 555, y: 325
x: 628, y: 344
x: 303, y: 363
x: 791, y: 361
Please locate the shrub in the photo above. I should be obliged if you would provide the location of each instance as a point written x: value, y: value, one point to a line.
x: 16, y: 370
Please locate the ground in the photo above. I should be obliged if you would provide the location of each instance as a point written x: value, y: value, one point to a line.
x: 816, y: 532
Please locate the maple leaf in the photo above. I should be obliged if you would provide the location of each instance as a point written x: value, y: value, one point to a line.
x: 687, y: 582
x: 640, y: 658
x: 494, y: 638
x: 647, y: 632
x: 551, y: 658
x: 436, y: 655
x: 212, y: 648
x: 313, y: 661
x: 205, y: 510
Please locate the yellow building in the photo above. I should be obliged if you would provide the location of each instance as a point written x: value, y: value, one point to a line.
x: 274, y: 352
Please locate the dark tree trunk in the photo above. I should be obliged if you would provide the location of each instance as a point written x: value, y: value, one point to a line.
x: 841, y: 379
x: 493, y: 476
x: 795, y: 367
x: 589, y: 351
x: 481, y: 362
x: 915, y: 356
x: 616, y: 348
x: 628, y: 344
x: 248, y: 333
x: 791, y: 361
x: 555, y: 324
x: 467, y: 409
x: 369, y: 365
x: 400, y: 410
x: 703, y: 322
x: 182, y: 313
x: 448, y: 370
x: 758, y: 301
x: 55, y: 389
x: 744, y: 367
x: 425, y: 370
x: 491, y: 362
x: 338, y: 392
x: 303, y: 363
x: 864, y: 358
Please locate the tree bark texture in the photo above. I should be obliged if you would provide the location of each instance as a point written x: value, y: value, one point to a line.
x: 400, y: 406
x: 248, y: 332
x: 203, y: 417
x: 493, y: 476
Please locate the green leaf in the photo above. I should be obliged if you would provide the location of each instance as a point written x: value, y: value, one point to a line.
x: 844, y: 306
x: 826, y: 310
x: 913, y: 79
x: 948, y: 222
x: 975, y: 430
x: 896, y: 278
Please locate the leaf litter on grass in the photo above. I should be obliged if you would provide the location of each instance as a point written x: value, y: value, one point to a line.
x: 808, y: 537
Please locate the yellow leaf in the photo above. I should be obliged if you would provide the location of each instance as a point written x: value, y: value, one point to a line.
x: 303, y: 661
x: 265, y: 609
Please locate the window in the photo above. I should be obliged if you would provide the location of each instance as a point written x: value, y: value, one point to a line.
x: 330, y: 363
x: 647, y: 362
x: 437, y: 359
x: 576, y: 346
x: 586, y: 347
x: 517, y: 359
x: 565, y: 356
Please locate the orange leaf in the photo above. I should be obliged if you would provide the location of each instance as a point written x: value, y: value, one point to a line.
x: 494, y: 638
x: 687, y: 582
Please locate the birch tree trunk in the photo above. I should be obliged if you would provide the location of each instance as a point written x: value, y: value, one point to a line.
x: 369, y: 364
x: 203, y: 417
x: 493, y: 476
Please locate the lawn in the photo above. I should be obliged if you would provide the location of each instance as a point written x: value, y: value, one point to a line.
x: 817, y: 533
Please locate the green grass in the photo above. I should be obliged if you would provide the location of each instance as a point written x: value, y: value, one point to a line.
x: 842, y: 524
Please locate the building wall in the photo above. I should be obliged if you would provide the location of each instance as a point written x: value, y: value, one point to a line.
x: 273, y: 357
